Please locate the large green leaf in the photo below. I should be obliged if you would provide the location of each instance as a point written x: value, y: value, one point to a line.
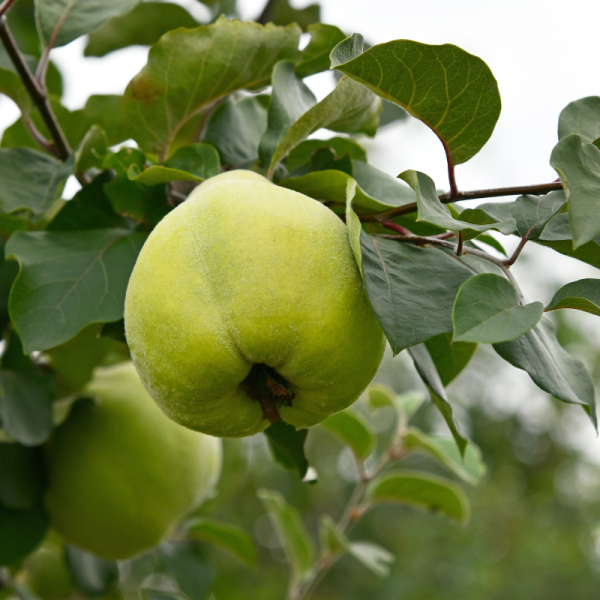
x: 284, y: 14
x: 20, y: 532
x: 188, y: 70
x: 235, y: 130
x: 142, y: 26
x: 350, y: 427
x: 449, y: 357
x: 581, y: 295
x: 487, y: 310
x: 551, y: 367
x: 234, y: 540
x: 411, y: 289
x: 532, y: 213
x: 302, y: 153
x: 61, y: 21
x: 287, y: 445
x: 421, y: 490
x: 22, y: 477
x: 582, y: 117
x: 292, y: 532
x: 69, y: 280
x: 497, y: 214
x: 315, y: 57
x: 290, y: 99
x: 469, y: 467
x: 350, y: 107
x: 450, y: 90
x: 30, y: 181
x: 577, y: 162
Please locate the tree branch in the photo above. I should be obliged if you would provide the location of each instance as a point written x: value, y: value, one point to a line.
x: 451, y: 174
x: 541, y: 189
x: 5, y: 6
x: 37, y: 93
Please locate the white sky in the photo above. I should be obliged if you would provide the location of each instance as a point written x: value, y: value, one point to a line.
x: 542, y: 53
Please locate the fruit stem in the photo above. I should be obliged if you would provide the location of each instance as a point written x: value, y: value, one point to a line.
x: 265, y: 386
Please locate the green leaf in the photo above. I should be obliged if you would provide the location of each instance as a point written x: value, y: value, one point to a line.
x: 91, y: 150
x: 287, y: 445
x: 202, y: 66
x: 22, y: 477
x: 30, y: 181
x: 469, y: 468
x: 20, y: 532
x: 234, y: 540
x: 411, y: 289
x: 392, y: 113
x: 196, y: 162
x: 332, y: 538
x: 421, y: 490
x: 315, y: 57
x: 487, y: 310
x: 69, y: 280
x: 142, y: 26
x: 350, y: 108
x: 352, y: 429
x: 187, y: 563
x: 550, y: 367
x: 61, y: 21
x: 290, y: 99
x: 428, y: 373
x: 380, y: 395
x: 353, y: 224
x: 235, y: 130
x: 496, y: 214
x: 431, y: 210
x: 449, y: 357
x: 488, y: 240
x: 88, y: 209
x: 92, y: 575
x: 582, y: 117
x: 12, y: 86
x: 451, y: 91
x: 284, y: 14
x: 532, y: 213
x: 292, y: 532
x: 105, y: 111
x: 8, y: 272
x: 380, y: 185
x: 302, y: 153
x: 577, y: 163
x: 372, y: 556
x: 580, y: 295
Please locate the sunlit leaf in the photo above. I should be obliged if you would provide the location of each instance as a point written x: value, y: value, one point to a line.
x: 350, y: 427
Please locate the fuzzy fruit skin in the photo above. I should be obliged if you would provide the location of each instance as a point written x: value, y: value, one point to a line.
x: 247, y: 272
x: 121, y: 474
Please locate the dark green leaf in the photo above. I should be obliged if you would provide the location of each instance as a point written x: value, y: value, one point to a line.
x: 287, y: 445
x: 290, y: 99
x: 12, y: 85
x: 88, y: 209
x: 582, y: 117
x: 8, y: 272
x: 532, y: 213
x: 62, y: 21
x: 342, y: 146
x: 115, y: 330
x: 577, y: 162
x: 284, y: 14
x: 421, y: 490
x: 79, y: 275
x: 292, y: 532
x: 325, y: 159
x: 373, y: 556
x: 470, y: 467
x: 91, y: 150
x: 350, y: 427
x: 581, y: 295
x: 187, y: 564
x: 235, y: 130
x: 232, y: 539
x: 142, y: 26
x: 428, y: 373
x: 450, y: 90
x: 487, y: 310
x: 20, y: 532
x: 450, y: 358
x: 497, y: 214
x: 105, y: 111
x: 201, y: 65
x: 315, y: 57
x: 92, y: 575
x: 411, y: 289
x: 30, y: 181
x: 380, y: 185
x: 551, y: 368
x: 22, y: 478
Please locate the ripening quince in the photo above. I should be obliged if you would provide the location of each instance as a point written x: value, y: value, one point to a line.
x: 121, y: 475
x: 245, y: 299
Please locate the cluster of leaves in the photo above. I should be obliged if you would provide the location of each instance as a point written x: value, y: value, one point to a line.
x: 435, y: 292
